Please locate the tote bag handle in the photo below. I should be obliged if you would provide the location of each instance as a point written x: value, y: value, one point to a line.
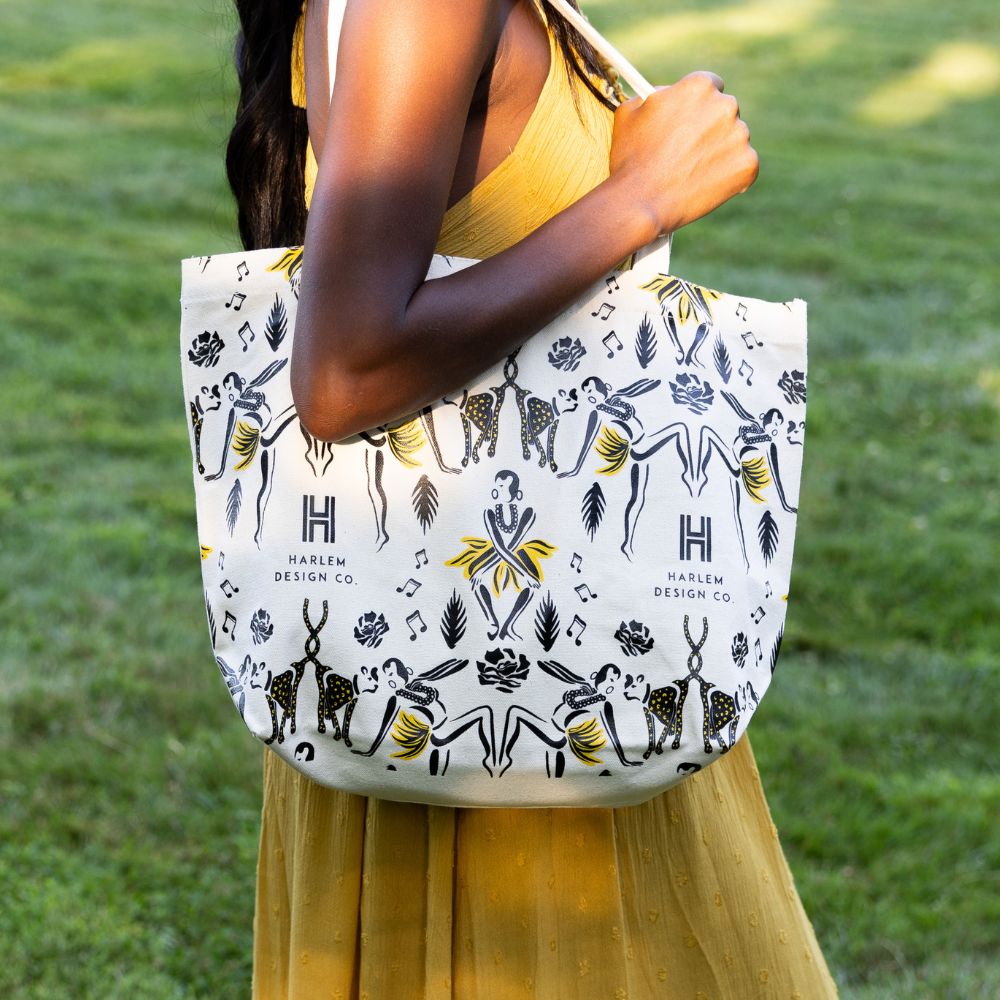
x: 639, y: 84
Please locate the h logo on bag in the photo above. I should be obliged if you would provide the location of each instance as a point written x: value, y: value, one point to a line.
x: 321, y: 519
x: 702, y: 538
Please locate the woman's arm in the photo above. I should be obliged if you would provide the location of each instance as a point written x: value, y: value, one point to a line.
x: 373, y: 340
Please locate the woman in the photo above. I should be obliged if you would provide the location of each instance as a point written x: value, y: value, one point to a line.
x: 487, y: 129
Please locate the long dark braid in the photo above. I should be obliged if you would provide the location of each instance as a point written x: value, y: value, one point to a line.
x: 266, y: 153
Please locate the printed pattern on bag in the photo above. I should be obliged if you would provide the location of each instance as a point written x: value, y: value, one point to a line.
x: 510, y: 597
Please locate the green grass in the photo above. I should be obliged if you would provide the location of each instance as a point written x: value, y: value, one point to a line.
x: 129, y: 790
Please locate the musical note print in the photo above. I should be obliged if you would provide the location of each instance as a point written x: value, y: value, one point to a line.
x: 420, y: 554
x: 409, y: 588
x: 204, y: 262
x: 608, y: 340
x: 742, y: 315
x: 611, y: 281
x: 415, y: 617
x: 585, y: 593
x: 246, y: 335
x: 768, y: 591
x: 749, y: 369
x: 576, y: 562
x: 236, y: 301
x: 757, y: 652
x: 228, y: 589
x: 222, y: 559
x: 230, y: 617
x: 753, y: 336
x: 757, y: 615
x: 580, y: 625
x: 242, y: 271
x: 604, y: 310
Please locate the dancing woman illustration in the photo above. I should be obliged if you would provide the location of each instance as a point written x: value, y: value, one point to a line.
x: 586, y: 737
x: 250, y: 427
x: 503, y: 558
x: 618, y: 435
x: 428, y: 723
x: 755, y: 432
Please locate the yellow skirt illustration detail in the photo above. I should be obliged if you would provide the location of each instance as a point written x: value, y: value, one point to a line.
x: 412, y: 734
x: 585, y: 739
x: 480, y: 555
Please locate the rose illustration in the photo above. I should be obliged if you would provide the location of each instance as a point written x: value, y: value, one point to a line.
x: 566, y: 354
x: 261, y: 627
x: 740, y: 649
x: 205, y: 349
x: 793, y: 385
x: 371, y: 629
x: 634, y: 638
x: 503, y: 669
x: 690, y: 391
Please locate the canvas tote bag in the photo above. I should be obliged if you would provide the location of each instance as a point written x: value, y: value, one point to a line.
x: 564, y: 584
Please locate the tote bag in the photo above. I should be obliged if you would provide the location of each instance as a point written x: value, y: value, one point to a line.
x: 564, y: 584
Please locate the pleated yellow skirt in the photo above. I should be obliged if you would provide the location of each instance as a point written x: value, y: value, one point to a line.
x: 684, y: 897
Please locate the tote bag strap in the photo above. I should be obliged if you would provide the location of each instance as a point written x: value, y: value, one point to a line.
x: 659, y: 248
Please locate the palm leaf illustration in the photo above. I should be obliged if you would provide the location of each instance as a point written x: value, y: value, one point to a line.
x: 592, y: 509
x: 776, y: 648
x: 453, y: 620
x: 767, y: 534
x: 211, y: 618
x: 233, y: 504
x: 721, y: 357
x: 425, y: 502
x: 547, y: 623
x: 645, y: 343
x: 277, y: 324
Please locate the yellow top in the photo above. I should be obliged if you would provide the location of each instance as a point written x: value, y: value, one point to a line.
x: 561, y: 154
x: 686, y: 895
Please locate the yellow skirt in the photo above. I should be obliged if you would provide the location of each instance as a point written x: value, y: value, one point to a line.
x: 686, y: 896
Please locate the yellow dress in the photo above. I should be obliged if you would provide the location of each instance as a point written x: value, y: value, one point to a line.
x: 686, y: 896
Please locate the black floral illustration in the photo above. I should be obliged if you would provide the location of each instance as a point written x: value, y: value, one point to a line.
x: 740, y: 650
x: 503, y: 669
x: 793, y: 385
x: 261, y: 627
x: 634, y: 638
x: 371, y: 629
x: 205, y: 349
x: 566, y: 354
x: 690, y: 391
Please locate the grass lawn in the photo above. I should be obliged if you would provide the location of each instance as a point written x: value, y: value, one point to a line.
x: 129, y: 789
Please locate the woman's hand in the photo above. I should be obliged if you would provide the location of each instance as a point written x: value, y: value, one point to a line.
x: 683, y: 151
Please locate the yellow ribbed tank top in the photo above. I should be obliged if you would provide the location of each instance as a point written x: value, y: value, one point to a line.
x: 685, y: 897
